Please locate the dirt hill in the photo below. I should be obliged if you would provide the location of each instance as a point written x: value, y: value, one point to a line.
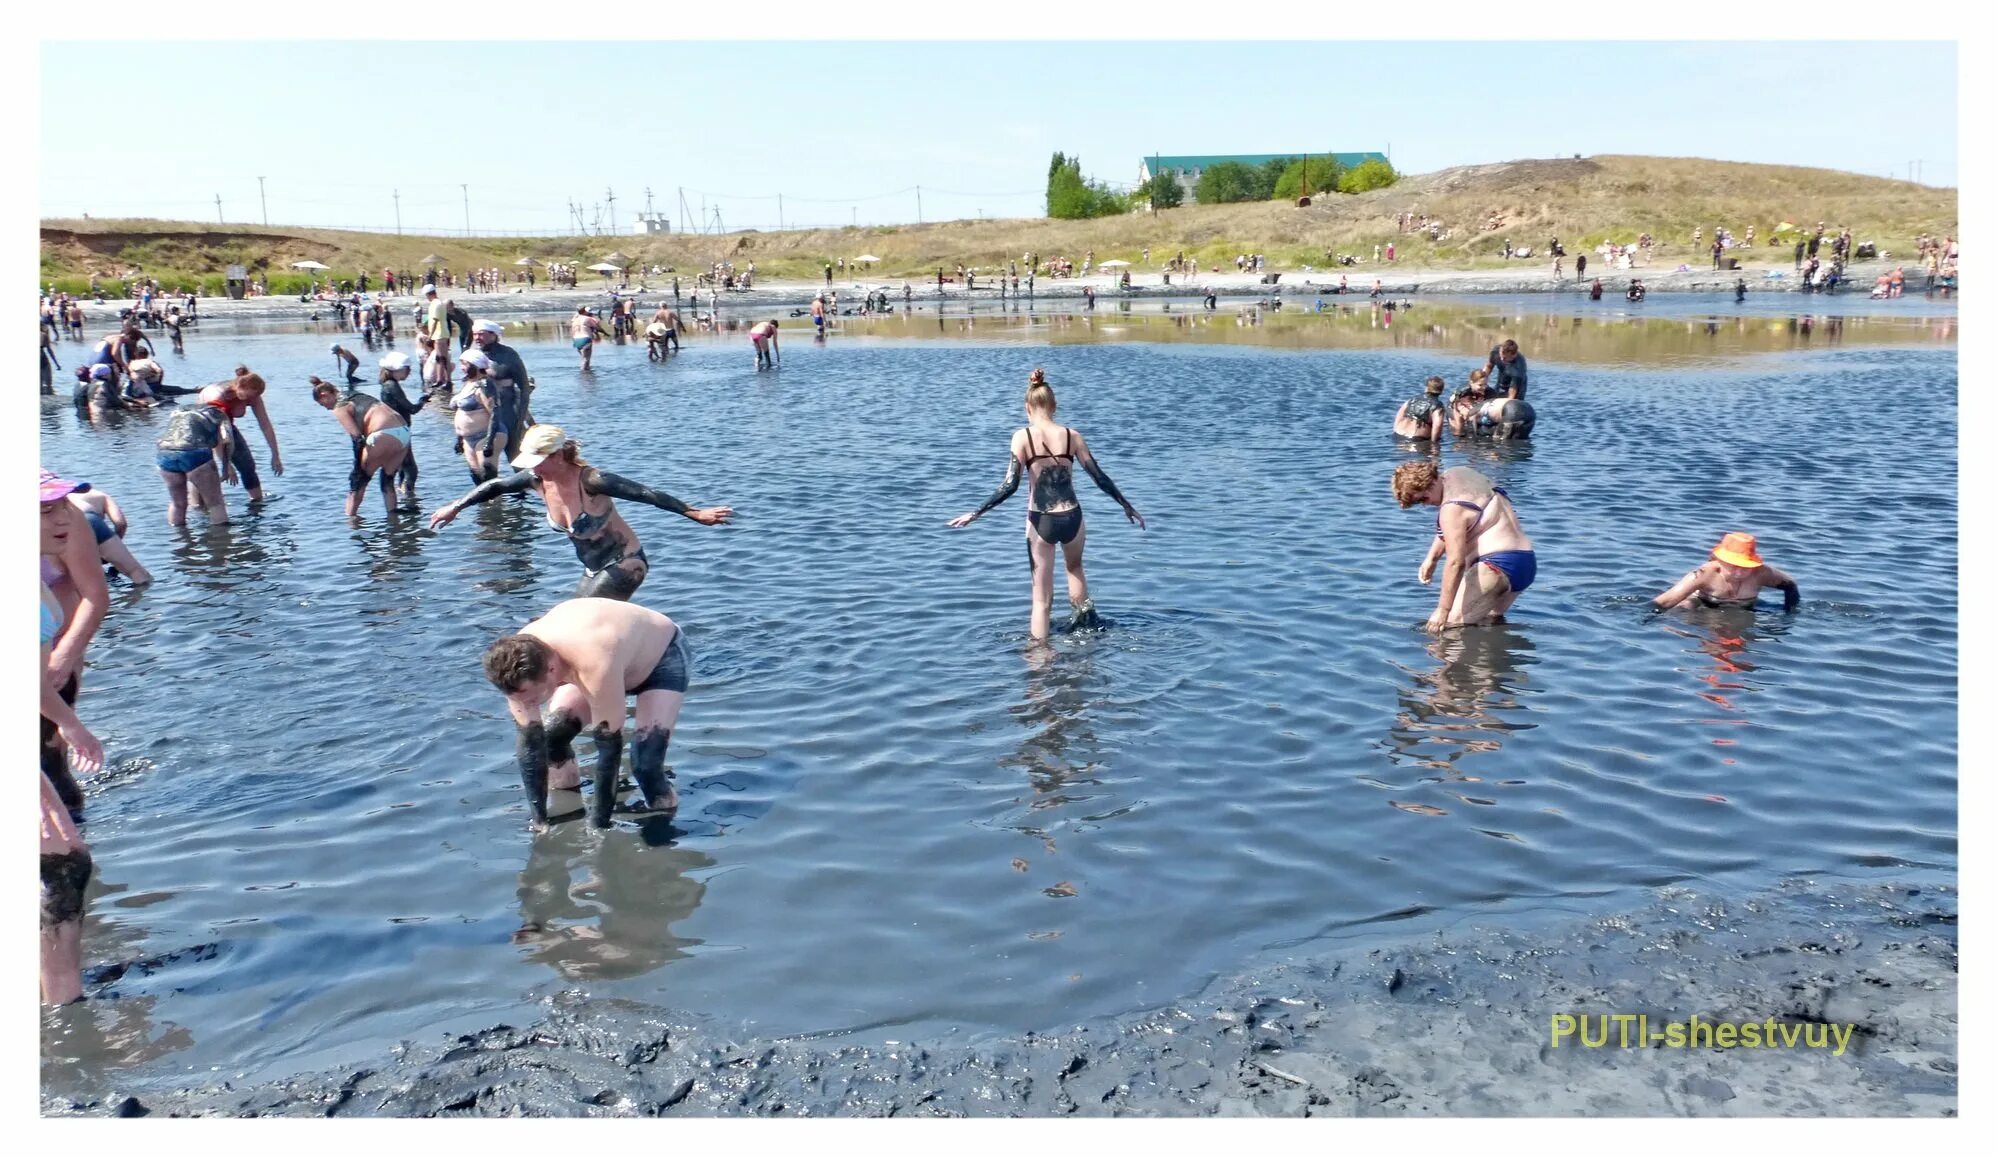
x: 1583, y: 201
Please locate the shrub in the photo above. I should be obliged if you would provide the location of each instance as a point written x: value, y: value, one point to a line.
x: 1367, y: 175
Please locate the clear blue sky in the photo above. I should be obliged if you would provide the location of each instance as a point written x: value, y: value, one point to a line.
x: 844, y: 130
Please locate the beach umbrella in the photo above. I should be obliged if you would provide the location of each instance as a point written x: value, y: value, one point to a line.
x: 1111, y: 264
x: 433, y: 259
x: 606, y: 267
x: 867, y: 257
x: 525, y: 261
x: 309, y: 265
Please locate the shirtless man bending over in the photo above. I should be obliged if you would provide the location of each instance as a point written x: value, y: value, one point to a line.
x: 580, y: 661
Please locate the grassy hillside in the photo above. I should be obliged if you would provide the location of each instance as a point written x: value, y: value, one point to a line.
x: 1581, y: 201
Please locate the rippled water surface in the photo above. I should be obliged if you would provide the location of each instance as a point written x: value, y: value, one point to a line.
x: 312, y: 844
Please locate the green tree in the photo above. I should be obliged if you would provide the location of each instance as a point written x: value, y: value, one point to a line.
x: 1369, y: 174
x: 1162, y: 190
x: 1324, y: 172
x: 1267, y: 174
x: 1072, y: 198
x: 1225, y: 182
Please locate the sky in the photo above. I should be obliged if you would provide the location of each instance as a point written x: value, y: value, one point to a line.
x: 847, y: 132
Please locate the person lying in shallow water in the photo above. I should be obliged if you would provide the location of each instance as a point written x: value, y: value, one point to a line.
x: 1733, y: 576
x: 580, y: 661
x: 578, y: 497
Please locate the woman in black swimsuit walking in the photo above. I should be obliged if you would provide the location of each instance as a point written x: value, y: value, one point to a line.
x: 578, y: 497
x: 1046, y: 452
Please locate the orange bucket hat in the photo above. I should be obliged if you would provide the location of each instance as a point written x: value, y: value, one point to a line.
x: 1739, y: 549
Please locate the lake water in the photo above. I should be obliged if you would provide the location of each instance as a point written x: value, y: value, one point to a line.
x: 900, y: 819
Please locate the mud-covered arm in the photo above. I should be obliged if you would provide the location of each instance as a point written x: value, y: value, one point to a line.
x: 1775, y: 578
x: 1101, y: 479
x: 600, y: 482
x: 398, y: 400
x: 1007, y: 486
x: 531, y: 750
x: 492, y: 488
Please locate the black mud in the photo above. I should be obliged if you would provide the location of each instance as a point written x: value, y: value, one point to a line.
x: 1455, y: 1024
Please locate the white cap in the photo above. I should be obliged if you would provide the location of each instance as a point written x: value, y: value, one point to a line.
x: 429, y: 289
x: 486, y: 327
x: 397, y: 361
x: 476, y: 358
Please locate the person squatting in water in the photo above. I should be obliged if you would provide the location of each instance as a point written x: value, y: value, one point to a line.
x: 579, y: 662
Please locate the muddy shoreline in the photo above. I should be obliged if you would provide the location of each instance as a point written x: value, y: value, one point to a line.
x: 1455, y: 1023
x: 1396, y: 282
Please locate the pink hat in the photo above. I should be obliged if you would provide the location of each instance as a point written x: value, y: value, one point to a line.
x: 54, y: 488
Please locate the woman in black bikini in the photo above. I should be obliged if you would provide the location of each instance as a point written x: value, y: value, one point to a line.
x: 1054, y: 515
x: 578, y: 497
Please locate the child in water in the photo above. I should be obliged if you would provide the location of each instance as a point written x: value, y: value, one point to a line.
x: 1733, y: 576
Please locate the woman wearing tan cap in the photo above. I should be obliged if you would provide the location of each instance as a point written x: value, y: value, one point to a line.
x: 578, y: 497
x: 1733, y: 576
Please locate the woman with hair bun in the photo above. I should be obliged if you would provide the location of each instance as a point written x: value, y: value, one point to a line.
x: 1046, y: 451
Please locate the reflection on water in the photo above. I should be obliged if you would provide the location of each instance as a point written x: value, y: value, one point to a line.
x: 602, y: 905
x: 1553, y: 329
x: 1471, y: 702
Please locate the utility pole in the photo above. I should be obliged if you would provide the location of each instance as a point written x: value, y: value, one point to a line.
x: 919, y: 205
x: 262, y: 202
x: 780, y: 212
x: 218, y: 208
x: 466, y: 192
x: 398, y: 211
x: 682, y: 190
x: 856, y: 216
x: 610, y: 200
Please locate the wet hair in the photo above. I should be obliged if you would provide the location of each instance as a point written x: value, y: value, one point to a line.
x: 514, y: 661
x: 248, y: 383
x: 1040, y: 395
x: 1433, y: 386
x: 1508, y: 347
x: 1478, y: 378
x: 322, y: 386
x: 1412, y: 480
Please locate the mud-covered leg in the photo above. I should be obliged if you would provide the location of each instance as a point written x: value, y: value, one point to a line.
x: 531, y: 748
x: 658, y: 712
x: 610, y: 754
x: 64, y: 877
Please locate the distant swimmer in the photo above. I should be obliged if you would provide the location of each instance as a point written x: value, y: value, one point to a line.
x: 345, y: 362
x: 1046, y: 452
x: 381, y: 441
x: 580, y: 662
x: 763, y: 336
x: 1636, y: 291
x: 584, y: 330
x: 1422, y: 416
x: 1740, y: 290
x: 578, y: 497
x: 1733, y: 576
x: 668, y: 319
x: 1490, y: 560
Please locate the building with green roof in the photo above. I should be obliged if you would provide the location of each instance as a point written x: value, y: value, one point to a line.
x: 1187, y: 169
